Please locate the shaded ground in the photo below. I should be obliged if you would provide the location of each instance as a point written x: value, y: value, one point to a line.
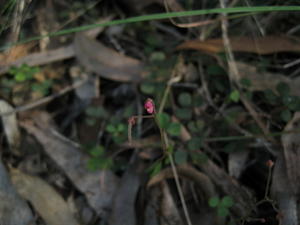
x: 219, y: 146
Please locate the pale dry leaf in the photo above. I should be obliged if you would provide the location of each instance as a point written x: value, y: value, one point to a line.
x: 45, y: 200
x: 260, y: 45
x: 98, y: 187
x: 169, y: 212
x: 13, y: 209
x: 10, y: 125
x: 236, y: 162
x: 107, y: 62
x: 281, y: 190
x: 291, y: 145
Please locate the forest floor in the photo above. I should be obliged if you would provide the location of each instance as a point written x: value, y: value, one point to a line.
x: 188, y: 120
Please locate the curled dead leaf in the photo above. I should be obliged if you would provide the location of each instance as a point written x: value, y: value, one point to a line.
x: 260, y: 45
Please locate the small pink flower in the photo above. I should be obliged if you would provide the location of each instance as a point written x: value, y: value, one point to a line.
x: 149, y: 106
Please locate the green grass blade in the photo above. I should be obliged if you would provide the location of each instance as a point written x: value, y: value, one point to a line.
x: 161, y: 16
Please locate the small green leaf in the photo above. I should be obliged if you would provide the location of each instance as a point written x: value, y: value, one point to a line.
x: 234, y: 96
x: 111, y: 128
x: 90, y: 121
x: 121, y: 127
x: 227, y: 201
x: 163, y: 120
x: 194, y: 143
x: 294, y: 104
x: 215, y: 70
x: 184, y: 113
x: 97, y: 151
x: 213, y: 202
x: 185, y: 99
x: 180, y: 157
x: 98, y: 112
x: 148, y: 88
x: 157, y: 56
x: 93, y: 164
x: 286, y: 115
x: 155, y: 168
x: 20, y: 77
x: 270, y: 96
x: 223, y: 211
x: 174, y: 129
x: 199, y: 157
x: 283, y: 89
x: 198, y: 101
x: 245, y: 82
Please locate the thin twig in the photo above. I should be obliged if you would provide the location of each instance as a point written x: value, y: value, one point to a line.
x: 45, y: 99
x: 165, y: 143
x: 234, y: 74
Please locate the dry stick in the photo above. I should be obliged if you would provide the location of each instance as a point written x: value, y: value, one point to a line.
x: 234, y: 74
x: 165, y: 144
x: 46, y: 99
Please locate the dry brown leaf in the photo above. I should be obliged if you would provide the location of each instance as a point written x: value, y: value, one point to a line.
x: 98, y: 187
x: 169, y: 211
x: 187, y: 172
x: 15, y: 53
x: 259, y: 45
x: 45, y: 200
x: 106, y: 62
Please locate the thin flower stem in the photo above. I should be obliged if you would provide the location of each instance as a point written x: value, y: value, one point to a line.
x: 268, y: 182
x: 165, y: 144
